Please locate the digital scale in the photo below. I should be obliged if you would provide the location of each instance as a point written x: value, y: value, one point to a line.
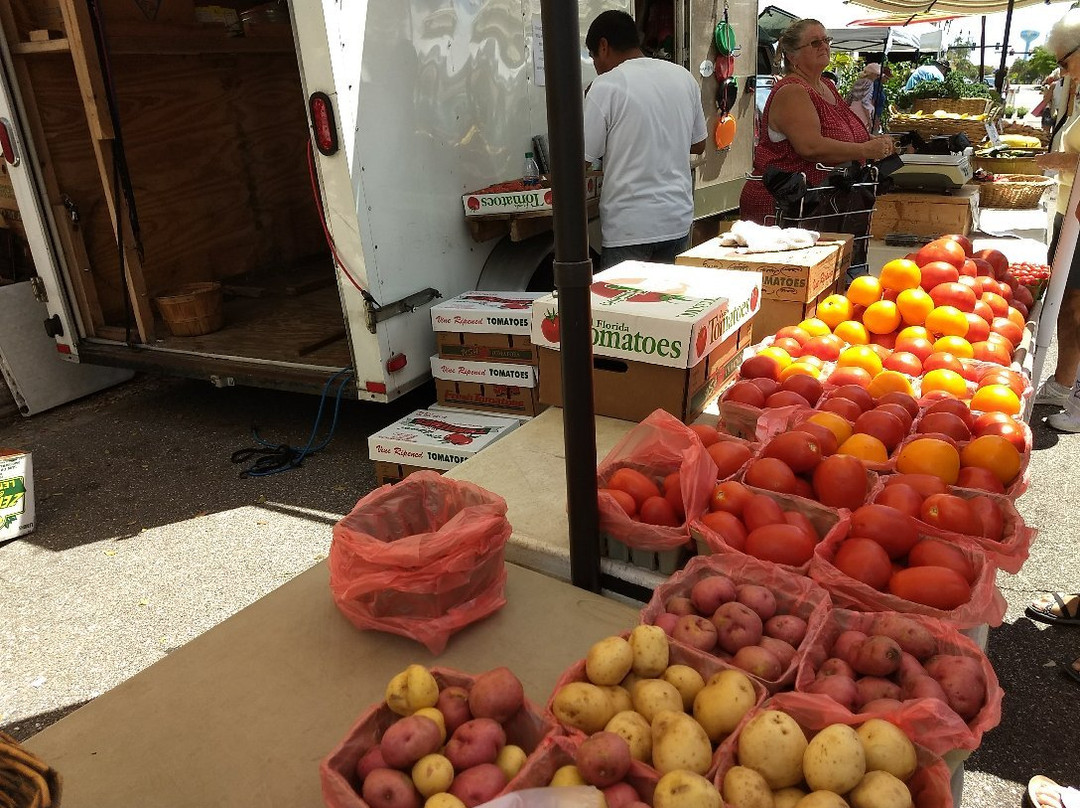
x: 940, y: 173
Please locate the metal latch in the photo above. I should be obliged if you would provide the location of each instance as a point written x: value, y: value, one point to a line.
x: 53, y: 326
x: 41, y: 294
x: 377, y: 314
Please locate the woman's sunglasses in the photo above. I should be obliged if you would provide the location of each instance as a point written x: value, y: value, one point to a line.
x: 1064, y: 59
x: 823, y: 42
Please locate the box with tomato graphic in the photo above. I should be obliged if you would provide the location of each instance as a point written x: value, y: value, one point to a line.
x: 517, y: 197
x: 16, y: 493
x: 485, y: 327
x: 437, y: 439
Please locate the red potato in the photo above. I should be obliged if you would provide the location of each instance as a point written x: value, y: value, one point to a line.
x: 922, y: 686
x: 453, y: 703
x: 621, y: 795
x: 680, y: 605
x: 474, y: 743
x: 840, y: 689
x: 695, y: 631
x: 878, y: 656
x: 371, y: 760
x: 737, y: 626
x: 478, y: 785
x: 758, y: 661
x: 784, y: 651
x: 870, y: 688
x: 496, y: 694
x: 667, y: 622
x: 787, y: 627
x: 834, y: 666
x: 962, y: 680
x: 847, y: 645
x: 409, y: 739
x: 758, y: 598
x: 913, y: 638
x: 710, y: 593
x: 603, y: 759
x: 909, y: 666
x: 390, y: 787
x: 881, y: 706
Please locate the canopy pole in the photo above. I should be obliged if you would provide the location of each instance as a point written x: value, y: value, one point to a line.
x: 999, y: 79
x: 573, y: 279
x: 982, y: 51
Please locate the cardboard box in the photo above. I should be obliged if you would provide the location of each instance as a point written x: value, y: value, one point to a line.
x: 496, y: 398
x: 437, y: 439
x: 659, y: 314
x: 787, y: 275
x: 463, y: 370
x: 486, y: 313
x: 508, y: 348
x: 394, y: 472
x: 514, y: 197
x: 776, y: 314
x: 16, y: 494
x: 924, y: 214
x: 437, y: 407
x: 631, y: 390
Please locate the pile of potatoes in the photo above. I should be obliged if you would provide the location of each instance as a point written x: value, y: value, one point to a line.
x: 670, y: 717
x: 449, y: 748
x: 840, y: 767
x: 897, y: 661
x: 743, y: 625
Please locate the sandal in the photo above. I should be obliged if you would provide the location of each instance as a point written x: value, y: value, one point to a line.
x: 1071, y: 670
x: 1065, y: 616
x: 1061, y: 796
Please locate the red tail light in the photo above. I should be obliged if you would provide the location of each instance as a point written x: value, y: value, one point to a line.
x: 322, y: 123
x: 7, y: 146
x: 62, y: 348
x: 375, y: 387
x: 396, y: 362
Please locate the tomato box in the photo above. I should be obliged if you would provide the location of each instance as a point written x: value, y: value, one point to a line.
x: 489, y: 386
x: 515, y: 197
x: 485, y: 327
x: 437, y: 439
x: 658, y: 314
x: 393, y: 472
x: 16, y: 494
x: 464, y: 370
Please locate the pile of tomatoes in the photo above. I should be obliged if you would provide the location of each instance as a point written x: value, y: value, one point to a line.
x: 1033, y: 276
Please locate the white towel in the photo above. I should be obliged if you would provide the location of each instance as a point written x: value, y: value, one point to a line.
x: 753, y: 237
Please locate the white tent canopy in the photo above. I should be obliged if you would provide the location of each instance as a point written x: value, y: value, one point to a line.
x: 888, y: 40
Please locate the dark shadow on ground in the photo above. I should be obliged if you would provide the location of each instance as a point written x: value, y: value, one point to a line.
x: 1035, y: 696
x: 1043, y: 436
x: 26, y: 727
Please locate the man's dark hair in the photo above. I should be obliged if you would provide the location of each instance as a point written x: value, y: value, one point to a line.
x: 617, y: 27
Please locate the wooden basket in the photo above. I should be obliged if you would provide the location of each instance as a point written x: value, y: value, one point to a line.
x: 193, y: 309
x: 26, y: 781
x: 1014, y: 128
x: 1006, y: 165
x: 1015, y: 191
x: 972, y: 106
x: 928, y: 127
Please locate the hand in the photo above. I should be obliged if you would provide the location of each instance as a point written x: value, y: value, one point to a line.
x: 878, y: 148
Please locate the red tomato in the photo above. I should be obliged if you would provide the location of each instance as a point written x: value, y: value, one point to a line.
x: 995, y: 258
x: 968, y: 270
x: 729, y: 456
x: 785, y: 398
x: 792, y: 346
x: 770, y: 474
x: 942, y: 361
x: 708, y: 434
x: 925, y: 484
x: 766, y: 386
x: 658, y: 511
x: 850, y: 375
x: 798, y: 450
x: 998, y: 305
x: 731, y: 497
x: 800, y: 335
x: 807, y: 386
x: 963, y: 241
x: 762, y: 510
x: 840, y: 482
x: 945, y: 423
x: 803, y: 488
x: 634, y: 483
x: 1012, y: 432
x: 781, y: 544
x: 950, y: 512
x: 855, y: 393
x: 622, y: 499
x: 987, y: 351
x: 844, y: 407
x: 980, y: 479
x: 991, y: 519
x: 827, y: 348
x: 978, y: 328
x: 937, y: 587
x: 728, y: 527
x: 882, y: 425
x: 939, y: 553
x: 802, y: 521
x: 899, y: 411
x: 1008, y: 329
x: 918, y: 346
x: 892, y: 529
x: 673, y: 494
x: 902, y: 497
x: 825, y: 437
x: 759, y: 366
x: 955, y: 407
x: 904, y: 400
x: 982, y: 267
x: 864, y: 560
x: 746, y: 392
x: 905, y: 362
x: 938, y: 272
x: 941, y: 250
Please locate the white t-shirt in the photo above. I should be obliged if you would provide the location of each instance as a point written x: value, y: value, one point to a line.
x: 1070, y: 144
x: 642, y: 118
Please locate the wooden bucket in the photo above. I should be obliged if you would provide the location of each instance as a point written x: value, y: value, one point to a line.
x: 193, y: 309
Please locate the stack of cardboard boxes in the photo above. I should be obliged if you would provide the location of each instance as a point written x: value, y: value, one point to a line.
x: 16, y: 494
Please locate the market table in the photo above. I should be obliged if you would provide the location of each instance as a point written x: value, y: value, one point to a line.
x: 242, y: 715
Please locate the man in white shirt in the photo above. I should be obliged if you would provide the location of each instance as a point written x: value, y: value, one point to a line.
x: 643, y: 117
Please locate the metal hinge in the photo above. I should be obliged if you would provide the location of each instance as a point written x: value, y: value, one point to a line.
x: 377, y: 314
x: 41, y: 294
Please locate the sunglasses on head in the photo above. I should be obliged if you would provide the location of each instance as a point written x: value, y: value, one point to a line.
x: 817, y: 43
x: 1064, y: 59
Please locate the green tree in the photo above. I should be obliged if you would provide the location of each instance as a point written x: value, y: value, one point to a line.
x: 959, y: 53
x: 1033, y: 68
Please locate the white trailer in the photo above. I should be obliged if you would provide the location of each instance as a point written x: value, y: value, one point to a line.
x: 130, y: 122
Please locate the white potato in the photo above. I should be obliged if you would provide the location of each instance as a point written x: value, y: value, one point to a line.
x: 653, y: 696
x: 687, y: 681
x: 880, y: 790
x: 834, y: 760
x: 683, y: 789
x: 822, y: 799
x: 773, y: 744
x: 632, y: 727
x: 679, y: 742
x: 722, y: 703
x: 608, y: 661
x: 745, y: 788
x: 620, y: 697
x: 583, y: 706
x: 650, y: 645
x: 411, y: 690
x: 887, y: 748
x: 787, y: 797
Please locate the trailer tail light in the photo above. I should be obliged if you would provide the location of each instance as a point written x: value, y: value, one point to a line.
x: 62, y: 348
x: 396, y: 362
x: 322, y: 123
x: 7, y: 145
x: 375, y: 387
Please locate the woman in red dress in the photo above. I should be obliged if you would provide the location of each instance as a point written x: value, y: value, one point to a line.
x: 805, y: 121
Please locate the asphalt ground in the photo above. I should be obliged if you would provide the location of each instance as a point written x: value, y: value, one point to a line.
x: 148, y: 536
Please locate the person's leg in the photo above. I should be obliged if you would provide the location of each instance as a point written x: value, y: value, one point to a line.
x: 610, y: 256
x: 664, y: 252
x: 1042, y: 792
x: 1068, y: 336
x: 1053, y: 391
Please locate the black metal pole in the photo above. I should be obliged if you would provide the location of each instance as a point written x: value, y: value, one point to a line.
x: 982, y: 50
x: 573, y: 277
x: 999, y: 79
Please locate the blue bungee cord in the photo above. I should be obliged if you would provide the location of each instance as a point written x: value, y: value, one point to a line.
x: 274, y: 458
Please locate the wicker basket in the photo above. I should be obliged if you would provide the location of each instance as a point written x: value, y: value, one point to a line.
x: 1015, y: 191
x: 193, y: 309
x: 928, y: 127
x: 972, y: 106
x: 26, y: 782
x: 1007, y: 165
x: 1014, y: 128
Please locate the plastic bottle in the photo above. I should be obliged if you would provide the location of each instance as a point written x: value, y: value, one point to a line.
x: 531, y: 173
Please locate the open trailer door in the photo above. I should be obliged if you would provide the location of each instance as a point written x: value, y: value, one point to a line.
x: 38, y: 336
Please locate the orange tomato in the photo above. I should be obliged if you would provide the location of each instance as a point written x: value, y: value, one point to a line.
x: 814, y: 327
x: 900, y: 274
x: 947, y: 321
x: 799, y: 369
x: 948, y: 381
x: 1018, y: 318
x: 995, y: 352
x: 943, y: 360
x: 957, y: 346
x: 1008, y: 329
x: 851, y: 331
x: 834, y: 309
x: 1010, y: 378
x: 995, y: 454
x: 889, y: 381
x: 860, y: 356
x: 865, y: 447
x: 849, y: 375
x: 839, y: 426
x: 930, y: 456
x: 864, y: 290
x: 918, y: 346
x: 904, y: 362
x: 914, y: 305
x: 884, y: 340
x: 913, y: 332
x: 881, y: 317
x: 996, y: 398
x: 782, y: 357
x: 812, y: 361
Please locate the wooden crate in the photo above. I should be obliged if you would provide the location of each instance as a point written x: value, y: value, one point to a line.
x: 925, y: 214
